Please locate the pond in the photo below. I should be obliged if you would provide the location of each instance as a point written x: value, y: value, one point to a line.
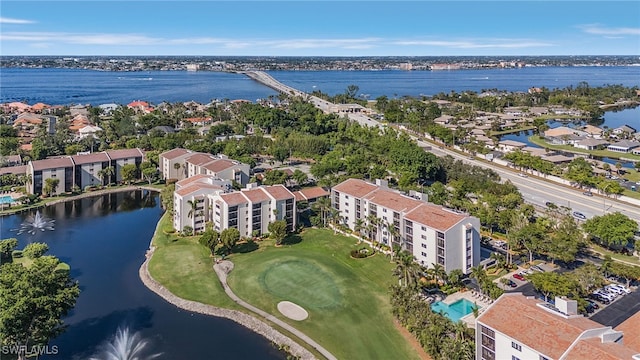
x: 104, y: 240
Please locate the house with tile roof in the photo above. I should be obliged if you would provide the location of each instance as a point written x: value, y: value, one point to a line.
x: 623, y: 146
x: 520, y: 327
x: 191, y: 163
x: 432, y: 233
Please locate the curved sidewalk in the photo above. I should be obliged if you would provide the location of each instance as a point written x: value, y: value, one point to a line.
x: 223, y: 268
x: 246, y: 320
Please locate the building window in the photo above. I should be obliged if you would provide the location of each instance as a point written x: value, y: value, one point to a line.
x: 424, y: 246
x: 423, y: 254
x: 543, y: 357
x: 516, y: 346
x: 513, y: 357
x: 424, y: 237
x: 424, y: 228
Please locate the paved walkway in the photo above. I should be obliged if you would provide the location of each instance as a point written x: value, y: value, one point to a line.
x: 223, y: 268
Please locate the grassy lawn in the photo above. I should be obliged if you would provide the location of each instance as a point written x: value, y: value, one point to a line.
x: 347, y: 299
x: 185, y: 268
x: 604, y: 251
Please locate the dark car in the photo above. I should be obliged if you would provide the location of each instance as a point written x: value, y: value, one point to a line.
x: 512, y: 283
x: 550, y: 204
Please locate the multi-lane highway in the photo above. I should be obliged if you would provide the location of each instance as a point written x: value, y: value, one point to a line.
x: 535, y: 190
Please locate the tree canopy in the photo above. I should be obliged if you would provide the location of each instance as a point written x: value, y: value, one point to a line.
x: 611, y: 229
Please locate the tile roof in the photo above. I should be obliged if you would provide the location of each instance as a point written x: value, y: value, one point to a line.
x: 311, y: 193
x: 90, y: 158
x: 197, y: 187
x: 200, y: 159
x: 174, y: 153
x: 392, y: 200
x: 189, y: 180
x: 16, y: 170
x: 594, y: 348
x: 355, y: 187
x: 52, y: 163
x: 124, y: 153
x: 435, y: 216
x: 631, y: 329
x: 279, y: 192
x: 218, y: 165
x: 521, y: 319
x: 256, y: 195
x: 235, y: 198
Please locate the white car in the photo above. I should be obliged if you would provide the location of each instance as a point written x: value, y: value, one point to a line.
x: 622, y: 288
x: 604, y: 294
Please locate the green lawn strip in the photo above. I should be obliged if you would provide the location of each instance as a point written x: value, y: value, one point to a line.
x: 185, y: 268
x: 511, y: 131
x: 347, y: 299
x: 626, y: 258
x: 570, y: 148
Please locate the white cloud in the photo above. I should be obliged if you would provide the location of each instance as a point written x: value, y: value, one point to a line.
x: 4, y: 20
x: 598, y: 29
x: 479, y: 44
x: 321, y: 43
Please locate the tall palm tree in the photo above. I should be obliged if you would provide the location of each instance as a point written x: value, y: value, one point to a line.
x: 407, y: 269
x: 358, y: 227
x: 439, y: 272
x: 480, y: 275
x: 108, y: 173
x: 193, y: 207
x: 323, y: 205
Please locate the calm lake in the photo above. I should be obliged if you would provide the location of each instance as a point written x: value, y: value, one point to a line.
x: 104, y: 240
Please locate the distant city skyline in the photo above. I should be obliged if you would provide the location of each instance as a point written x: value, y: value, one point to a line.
x: 320, y: 28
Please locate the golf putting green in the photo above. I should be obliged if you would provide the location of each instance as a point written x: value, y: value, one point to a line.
x: 301, y: 282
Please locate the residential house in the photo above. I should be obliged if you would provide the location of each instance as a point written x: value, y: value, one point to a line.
x: 122, y: 157
x: 432, y: 233
x: 88, y: 167
x: 190, y: 205
x: 55, y: 168
x: 624, y: 130
x: 10, y: 160
x: 168, y: 161
x: 591, y: 144
x: 623, y: 146
x: 310, y: 195
x: 518, y: 327
x: 192, y: 163
x: 510, y: 145
x: 593, y: 131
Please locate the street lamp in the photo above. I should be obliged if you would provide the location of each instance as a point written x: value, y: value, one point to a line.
x: 604, y: 198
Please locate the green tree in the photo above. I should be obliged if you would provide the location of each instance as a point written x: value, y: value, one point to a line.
x: 129, y: 173
x: 300, y: 177
x: 613, y: 229
x: 554, y: 284
x: 35, y: 250
x: 278, y: 230
x: 50, y: 186
x: 33, y: 300
x: 229, y: 237
x: 177, y: 167
x: 210, y: 239
x: 406, y: 269
x: 6, y: 247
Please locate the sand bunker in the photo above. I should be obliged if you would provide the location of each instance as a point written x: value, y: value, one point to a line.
x: 292, y: 311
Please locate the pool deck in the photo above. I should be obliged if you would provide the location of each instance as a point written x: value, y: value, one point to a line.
x: 480, y: 301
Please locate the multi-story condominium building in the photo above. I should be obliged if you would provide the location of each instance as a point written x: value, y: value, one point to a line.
x: 204, y: 198
x: 80, y: 170
x: 516, y: 327
x: 432, y: 233
x: 182, y: 163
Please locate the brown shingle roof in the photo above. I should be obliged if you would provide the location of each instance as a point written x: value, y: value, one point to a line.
x: 174, y: 153
x: 355, y: 187
x: 124, y: 153
x: 52, y: 163
x: 631, y: 329
x: 392, y: 200
x: 279, y: 192
x: 199, y: 159
x: 256, y: 195
x: 311, y: 193
x: 219, y: 165
x: 90, y: 158
x: 520, y: 318
x: 434, y: 216
x: 16, y: 170
x: 233, y: 199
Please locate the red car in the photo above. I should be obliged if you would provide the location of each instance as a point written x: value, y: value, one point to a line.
x: 519, y: 277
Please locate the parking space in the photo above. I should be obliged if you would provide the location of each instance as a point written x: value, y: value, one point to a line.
x: 619, y: 310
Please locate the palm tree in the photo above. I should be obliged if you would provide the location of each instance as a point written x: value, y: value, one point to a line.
x: 374, y: 224
x: 177, y: 167
x: 192, y: 211
x: 406, y: 269
x: 480, y: 275
x: 107, y: 173
x: 439, y: 272
x: 323, y: 205
x: 358, y: 227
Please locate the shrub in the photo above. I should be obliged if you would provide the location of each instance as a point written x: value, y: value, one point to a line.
x: 35, y: 250
x: 17, y: 254
x: 361, y: 253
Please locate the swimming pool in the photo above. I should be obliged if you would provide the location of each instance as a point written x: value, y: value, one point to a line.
x: 456, y: 310
x: 6, y: 199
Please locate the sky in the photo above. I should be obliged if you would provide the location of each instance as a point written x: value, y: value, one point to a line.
x: 320, y: 28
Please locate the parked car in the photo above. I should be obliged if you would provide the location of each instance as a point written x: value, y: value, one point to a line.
x: 587, y: 193
x: 614, y: 289
x: 519, y: 277
x: 623, y: 288
x: 593, y: 304
x: 597, y: 297
x: 579, y: 215
x: 512, y: 283
x: 523, y: 175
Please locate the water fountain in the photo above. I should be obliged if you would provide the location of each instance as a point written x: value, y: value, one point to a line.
x: 36, y: 223
x: 125, y: 346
